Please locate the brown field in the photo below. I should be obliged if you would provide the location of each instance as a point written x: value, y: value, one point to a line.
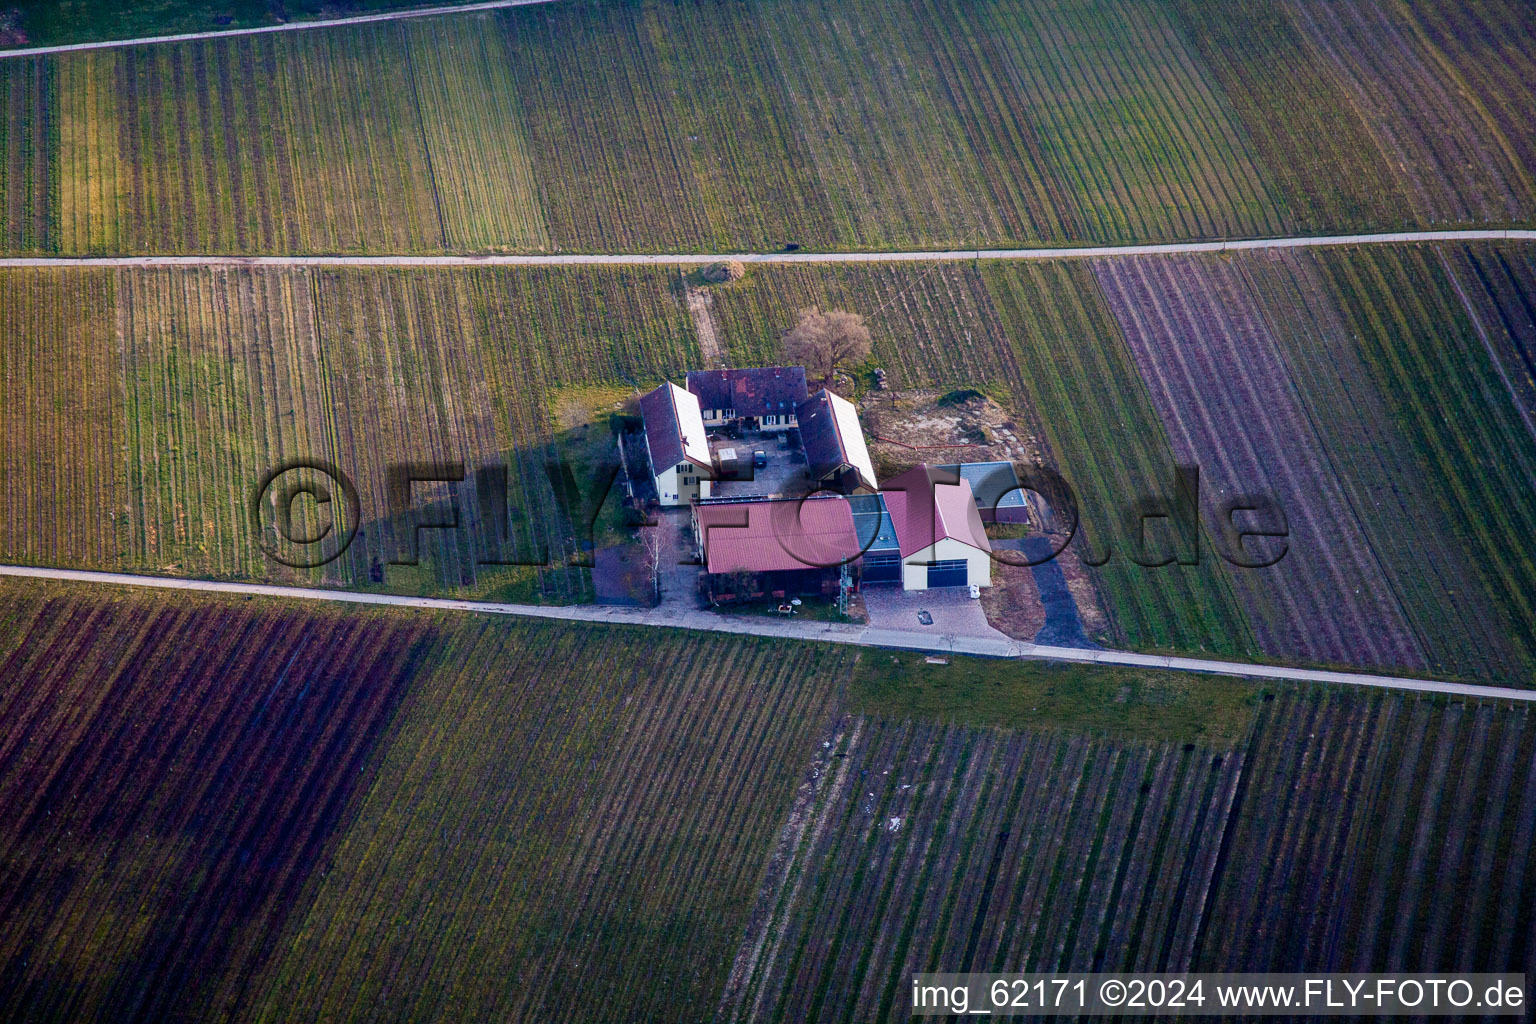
x: 205, y: 799
x: 1218, y: 378
x: 1381, y: 833
x: 1453, y: 158
x: 955, y: 849
x: 171, y: 775
x: 1450, y: 376
x: 224, y: 808
x: 1377, y: 466
x: 1345, y: 832
x: 1483, y: 48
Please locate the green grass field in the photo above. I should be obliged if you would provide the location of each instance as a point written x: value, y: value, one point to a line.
x: 1125, y: 704
x: 685, y: 125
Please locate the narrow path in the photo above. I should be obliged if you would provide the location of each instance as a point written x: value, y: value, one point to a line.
x: 290, y: 26
x: 688, y: 258
x: 699, y: 304
x: 798, y: 630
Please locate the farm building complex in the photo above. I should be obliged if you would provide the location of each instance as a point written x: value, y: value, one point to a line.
x: 590, y: 511
x: 826, y: 523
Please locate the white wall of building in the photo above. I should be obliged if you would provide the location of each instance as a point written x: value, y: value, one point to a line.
x: 914, y: 568
x: 772, y: 421
x: 680, y: 484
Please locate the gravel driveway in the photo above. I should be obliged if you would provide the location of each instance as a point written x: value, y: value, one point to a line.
x: 954, y: 612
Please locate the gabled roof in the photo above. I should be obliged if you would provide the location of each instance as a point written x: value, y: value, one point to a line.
x: 927, y: 505
x: 779, y: 535
x: 996, y: 488
x: 674, y: 428
x: 832, y: 438
x: 758, y: 391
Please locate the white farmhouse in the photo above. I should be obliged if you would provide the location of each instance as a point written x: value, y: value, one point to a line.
x: 677, y: 445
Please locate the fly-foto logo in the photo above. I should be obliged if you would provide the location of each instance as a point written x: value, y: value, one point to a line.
x: 308, y: 512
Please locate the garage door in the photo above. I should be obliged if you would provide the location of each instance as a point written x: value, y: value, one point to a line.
x: 948, y: 574
x: 882, y: 567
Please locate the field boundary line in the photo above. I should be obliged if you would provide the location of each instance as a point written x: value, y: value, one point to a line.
x: 689, y: 259
x: 815, y: 631
x: 287, y: 26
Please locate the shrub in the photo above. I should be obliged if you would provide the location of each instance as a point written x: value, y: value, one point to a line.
x: 723, y: 271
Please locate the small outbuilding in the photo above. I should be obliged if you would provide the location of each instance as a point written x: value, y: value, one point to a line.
x: 995, y: 486
x: 881, y: 561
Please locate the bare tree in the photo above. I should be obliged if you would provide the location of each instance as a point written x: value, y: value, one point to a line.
x: 823, y: 342
x: 650, y: 537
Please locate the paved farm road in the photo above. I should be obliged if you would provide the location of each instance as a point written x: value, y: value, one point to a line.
x: 292, y: 26
x: 677, y: 258
x: 801, y: 630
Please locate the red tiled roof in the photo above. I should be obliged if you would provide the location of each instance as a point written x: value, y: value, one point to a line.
x: 674, y: 432
x: 928, y: 505
x: 757, y: 391
x: 773, y: 536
